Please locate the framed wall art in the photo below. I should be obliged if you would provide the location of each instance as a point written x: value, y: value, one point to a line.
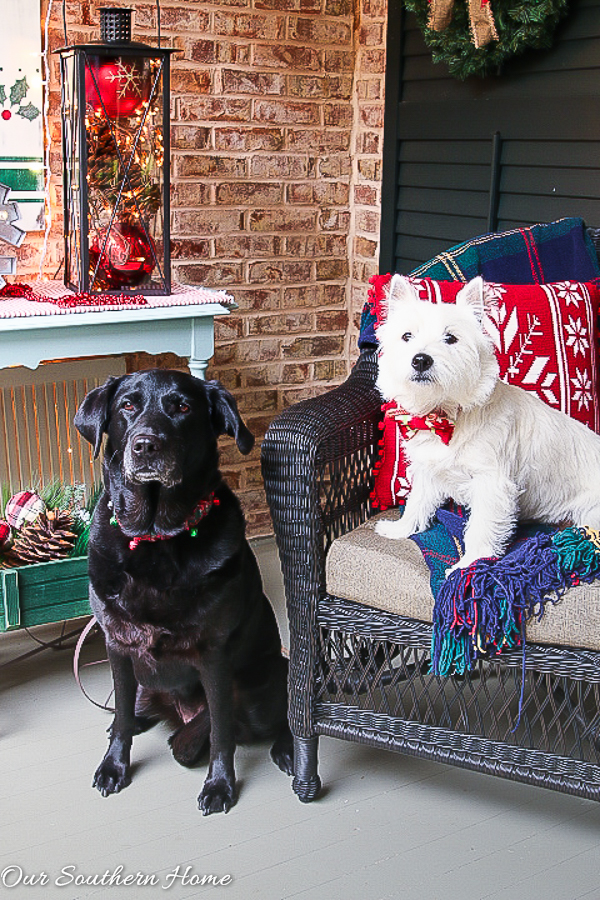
x: 21, y: 110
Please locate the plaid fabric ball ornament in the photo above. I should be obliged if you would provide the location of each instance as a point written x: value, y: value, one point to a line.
x: 23, y: 508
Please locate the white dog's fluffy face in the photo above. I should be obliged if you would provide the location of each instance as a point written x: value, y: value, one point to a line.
x: 435, y: 355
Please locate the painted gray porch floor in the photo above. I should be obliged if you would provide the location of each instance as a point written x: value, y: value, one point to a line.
x: 386, y: 826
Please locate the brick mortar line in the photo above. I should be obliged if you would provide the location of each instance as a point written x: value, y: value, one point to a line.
x: 253, y: 123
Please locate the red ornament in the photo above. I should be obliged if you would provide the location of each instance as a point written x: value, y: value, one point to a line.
x: 126, y: 257
x: 118, y: 87
x: 4, y: 532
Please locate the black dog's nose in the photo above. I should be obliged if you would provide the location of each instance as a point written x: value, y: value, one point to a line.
x: 421, y: 362
x: 145, y: 446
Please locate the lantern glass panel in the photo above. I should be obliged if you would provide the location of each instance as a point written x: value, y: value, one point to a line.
x: 125, y: 158
x: 72, y: 168
x: 115, y: 142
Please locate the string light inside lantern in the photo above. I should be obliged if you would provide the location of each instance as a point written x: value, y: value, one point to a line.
x: 115, y: 120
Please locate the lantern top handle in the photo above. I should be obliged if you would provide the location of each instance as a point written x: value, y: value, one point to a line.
x: 115, y: 33
x: 115, y: 25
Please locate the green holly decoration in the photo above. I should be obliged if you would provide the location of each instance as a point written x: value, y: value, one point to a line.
x: 29, y: 112
x: 17, y: 96
x: 18, y: 91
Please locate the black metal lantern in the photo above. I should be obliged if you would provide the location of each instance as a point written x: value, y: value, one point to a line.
x: 115, y: 135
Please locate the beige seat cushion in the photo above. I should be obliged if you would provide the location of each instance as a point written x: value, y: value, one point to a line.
x: 393, y: 576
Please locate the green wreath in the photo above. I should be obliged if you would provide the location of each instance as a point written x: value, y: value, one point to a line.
x: 521, y: 24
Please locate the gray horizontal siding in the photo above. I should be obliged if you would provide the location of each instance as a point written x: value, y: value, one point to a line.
x: 437, y: 164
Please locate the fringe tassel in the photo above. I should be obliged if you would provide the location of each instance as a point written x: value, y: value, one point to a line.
x: 480, y: 611
x: 577, y: 554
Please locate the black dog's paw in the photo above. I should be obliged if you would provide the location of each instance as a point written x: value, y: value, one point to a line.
x: 217, y: 795
x: 111, y: 777
x: 282, y: 753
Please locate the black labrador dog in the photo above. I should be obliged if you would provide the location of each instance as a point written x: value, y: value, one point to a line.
x: 191, y: 636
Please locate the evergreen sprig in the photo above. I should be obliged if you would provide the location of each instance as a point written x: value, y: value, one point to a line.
x: 138, y: 192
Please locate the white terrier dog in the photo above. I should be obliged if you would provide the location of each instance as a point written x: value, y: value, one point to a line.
x: 510, y: 457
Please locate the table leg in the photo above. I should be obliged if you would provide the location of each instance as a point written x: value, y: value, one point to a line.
x: 202, y: 345
x: 198, y: 367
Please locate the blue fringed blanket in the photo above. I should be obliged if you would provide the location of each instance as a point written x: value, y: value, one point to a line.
x: 481, y: 610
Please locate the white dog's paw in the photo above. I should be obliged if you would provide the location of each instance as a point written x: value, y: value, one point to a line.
x: 469, y: 559
x: 394, y: 529
x: 454, y: 568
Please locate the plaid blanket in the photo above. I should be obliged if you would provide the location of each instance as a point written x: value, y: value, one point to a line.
x: 481, y: 610
x: 538, y: 254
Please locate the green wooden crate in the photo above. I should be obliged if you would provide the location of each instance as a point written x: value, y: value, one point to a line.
x: 43, y: 593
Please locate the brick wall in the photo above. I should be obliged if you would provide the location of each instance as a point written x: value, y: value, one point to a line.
x: 276, y: 164
x: 366, y: 155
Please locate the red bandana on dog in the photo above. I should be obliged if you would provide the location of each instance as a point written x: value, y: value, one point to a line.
x: 410, y: 425
x: 200, y: 511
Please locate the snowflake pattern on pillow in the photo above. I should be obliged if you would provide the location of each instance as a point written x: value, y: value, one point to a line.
x: 545, y: 342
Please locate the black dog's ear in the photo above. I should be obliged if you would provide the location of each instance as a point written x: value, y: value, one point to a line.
x: 91, y: 419
x: 225, y: 416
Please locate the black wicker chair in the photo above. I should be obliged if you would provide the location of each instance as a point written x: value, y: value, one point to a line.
x: 362, y: 673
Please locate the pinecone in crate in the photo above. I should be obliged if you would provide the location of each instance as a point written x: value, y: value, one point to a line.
x: 50, y: 536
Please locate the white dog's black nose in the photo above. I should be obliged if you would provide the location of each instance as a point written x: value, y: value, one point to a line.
x: 421, y: 362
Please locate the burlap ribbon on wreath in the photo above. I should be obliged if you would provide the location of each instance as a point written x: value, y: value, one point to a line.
x: 483, y: 27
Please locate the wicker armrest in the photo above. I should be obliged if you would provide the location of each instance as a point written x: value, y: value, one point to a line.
x: 317, y: 459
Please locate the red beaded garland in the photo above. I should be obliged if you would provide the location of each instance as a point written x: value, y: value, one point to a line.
x: 85, y: 299
x: 67, y: 301
x: 17, y: 290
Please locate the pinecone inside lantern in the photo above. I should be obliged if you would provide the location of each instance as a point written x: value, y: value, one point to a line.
x: 51, y: 536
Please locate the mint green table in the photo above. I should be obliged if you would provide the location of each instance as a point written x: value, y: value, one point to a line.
x: 185, y: 330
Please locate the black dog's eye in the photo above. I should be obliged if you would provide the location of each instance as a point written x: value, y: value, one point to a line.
x: 406, y: 336
x: 127, y: 405
x: 450, y: 339
x: 184, y: 407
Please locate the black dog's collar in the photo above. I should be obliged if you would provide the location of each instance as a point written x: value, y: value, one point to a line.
x: 200, y: 511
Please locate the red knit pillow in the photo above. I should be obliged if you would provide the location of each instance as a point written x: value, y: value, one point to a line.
x: 545, y: 337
